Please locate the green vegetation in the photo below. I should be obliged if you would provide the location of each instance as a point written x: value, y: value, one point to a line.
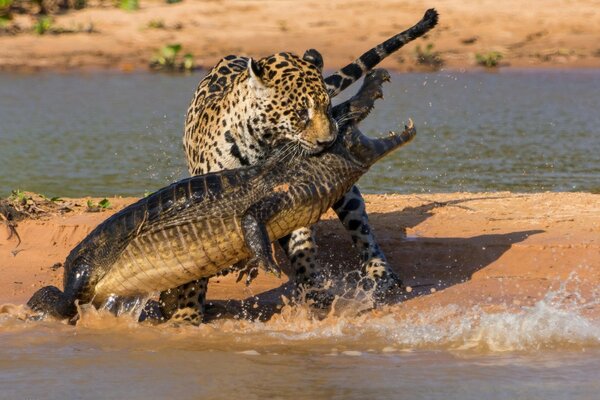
x: 173, y: 1
x: 168, y: 59
x: 18, y: 196
x: 428, y: 57
x: 43, y: 25
x: 5, y: 12
x: 103, y: 204
x: 129, y: 5
x: 489, y: 60
x: 156, y: 24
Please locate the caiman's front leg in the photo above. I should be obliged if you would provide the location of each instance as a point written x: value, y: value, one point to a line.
x: 254, y: 228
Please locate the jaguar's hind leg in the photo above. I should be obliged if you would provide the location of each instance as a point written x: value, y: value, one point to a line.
x: 185, y: 304
x: 301, y: 250
x: 351, y: 211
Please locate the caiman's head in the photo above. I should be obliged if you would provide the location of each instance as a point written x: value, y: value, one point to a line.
x: 366, y: 151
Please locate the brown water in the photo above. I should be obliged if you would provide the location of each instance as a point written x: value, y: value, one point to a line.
x: 550, y: 350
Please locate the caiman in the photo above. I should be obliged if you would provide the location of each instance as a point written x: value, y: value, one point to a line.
x: 201, y: 225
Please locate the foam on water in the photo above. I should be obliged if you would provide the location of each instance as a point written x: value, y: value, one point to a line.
x: 561, y: 319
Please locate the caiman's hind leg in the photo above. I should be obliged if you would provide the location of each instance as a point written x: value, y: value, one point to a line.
x: 51, y: 301
x: 351, y: 208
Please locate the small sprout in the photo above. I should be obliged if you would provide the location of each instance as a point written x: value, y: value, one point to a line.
x: 188, y: 62
x: 428, y: 57
x: 168, y: 59
x: 173, y: 1
x: 19, y: 196
x: 103, y: 204
x: 156, y: 24
x: 147, y: 193
x: 489, y: 60
x: 129, y: 5
x: 43, y: 25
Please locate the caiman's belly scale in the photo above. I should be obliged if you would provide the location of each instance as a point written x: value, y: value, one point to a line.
x: 176, y: 255
x: 173, y: 256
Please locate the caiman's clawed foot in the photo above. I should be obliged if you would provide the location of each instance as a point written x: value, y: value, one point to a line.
x: 254, y: 264
x: 360, y: 105
x: 51, y: 301
x: 372, y: 87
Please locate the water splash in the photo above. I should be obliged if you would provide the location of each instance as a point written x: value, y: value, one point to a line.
x: 561, y: 319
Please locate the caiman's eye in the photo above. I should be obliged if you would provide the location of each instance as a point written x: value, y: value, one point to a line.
x: 303, y: 115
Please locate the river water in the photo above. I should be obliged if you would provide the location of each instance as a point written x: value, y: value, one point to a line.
x: 103, y: 134
x: 549, y: 350
x: 114, y: 134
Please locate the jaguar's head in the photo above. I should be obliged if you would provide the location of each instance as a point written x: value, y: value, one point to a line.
x: 292, y: 103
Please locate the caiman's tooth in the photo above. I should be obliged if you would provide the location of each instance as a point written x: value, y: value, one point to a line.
x: 410, y: 124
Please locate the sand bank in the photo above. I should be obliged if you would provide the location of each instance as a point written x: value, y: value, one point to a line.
x: 549, y: 33
x: 496, y: 250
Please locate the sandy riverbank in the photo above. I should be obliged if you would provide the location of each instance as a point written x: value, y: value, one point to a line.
x: 496, y: 250
x: 549, y: 33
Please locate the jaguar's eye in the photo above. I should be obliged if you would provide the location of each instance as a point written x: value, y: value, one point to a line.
x: 303, y: 115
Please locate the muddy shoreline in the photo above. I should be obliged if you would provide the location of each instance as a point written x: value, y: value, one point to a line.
x: 558, y: 35
x: 499, y: 251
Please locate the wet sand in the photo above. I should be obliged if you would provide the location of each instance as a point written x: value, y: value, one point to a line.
x: 497, y: 251
x: 552, y: 33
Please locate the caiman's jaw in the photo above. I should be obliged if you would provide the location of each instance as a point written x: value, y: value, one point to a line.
x: 366, y: 151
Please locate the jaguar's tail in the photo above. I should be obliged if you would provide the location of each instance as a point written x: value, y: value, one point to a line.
x: 352, y: 72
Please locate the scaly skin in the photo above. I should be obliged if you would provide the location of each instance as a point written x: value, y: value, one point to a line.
x: 199, y: 226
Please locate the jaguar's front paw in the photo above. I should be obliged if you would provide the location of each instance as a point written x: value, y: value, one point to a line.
x: 382, y: 280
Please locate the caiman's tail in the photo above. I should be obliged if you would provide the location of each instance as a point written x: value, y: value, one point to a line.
x: 352, y: 72
x: 367, y: 151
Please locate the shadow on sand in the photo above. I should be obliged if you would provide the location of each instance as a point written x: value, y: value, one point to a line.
x: 422, y: 262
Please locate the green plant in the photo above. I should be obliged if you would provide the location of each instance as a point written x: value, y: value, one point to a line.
x: 188, y: 62
x: 168, y: 59
x: 103, y: 204
x: 168, y: 54
x: 5, y: 12
x: 489, y: 60
x: 156, y: 24
x: 173, y: 1
x: 428, y: 57
x: 42, y: 25
x: 18, y: 195
x: 129, y: 5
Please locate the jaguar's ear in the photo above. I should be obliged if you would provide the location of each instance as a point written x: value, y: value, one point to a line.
x: 256, y: 72
x: 314, y: 57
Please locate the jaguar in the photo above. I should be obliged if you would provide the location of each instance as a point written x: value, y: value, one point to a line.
x: 243, y: 108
